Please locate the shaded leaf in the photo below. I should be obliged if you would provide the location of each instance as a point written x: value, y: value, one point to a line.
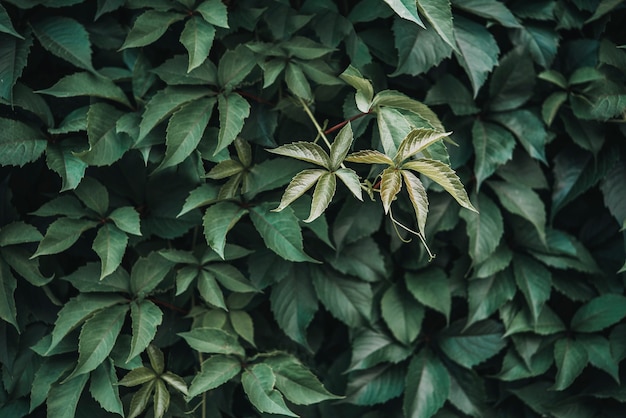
x: 258, y: 383
x: 472, y: 345
x: 484, y: 228
x: 149, y: 27
x: 215, y: 371
x: 19, y: 143
x: 402, y: 314
x: 110, y: 245
x: 62, y: 234
x: 427, y: 385
x: 493, y: 146
x: 197, y: 37
x: 348, y: 300
x: 146, y: 317
x: 599, y: 313
x: 218, y: 220
x: 570, y: 357
x: 67, y: 39
x: 439, y: 14
x: 213, y: 340
x: 87, y: 84
x: 233, y: 109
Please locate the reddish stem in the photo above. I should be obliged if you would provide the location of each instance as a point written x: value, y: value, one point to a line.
x: 168, y: 305
x: 344, y: 123
x: 255, y: 98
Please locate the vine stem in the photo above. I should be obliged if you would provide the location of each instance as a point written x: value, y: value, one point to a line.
x: 420, y: 236
x: 320, y: 131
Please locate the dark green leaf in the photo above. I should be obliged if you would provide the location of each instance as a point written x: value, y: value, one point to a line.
x: 234, y: 66
x: 258, y: 382
x: 402, y: 314
x: 570, y: 357
x: 62, y: 234
x: 439, y: 14
x: 489, y: 9
x: 215, y: 371
x: 63, y: 398
x: 67, y: 39
x: 19, y: 143
x: 406, y: 9
x: 375, y: 385
x: 427, y: 385
x: 106, y: 145
x: 8, y: 284
x: 512, y: 82
x: 149, y: 27
x: 472, y: 345
x: 140, y: 399
x: 484, y: 228
x: 350, y: 301
x: 214, y: 12
x: 599, y: 313
x: 13, y: 59
x: 418, y: 50
x: 431, y: 288
x: 110, y: 245
x: 493, y: 146
x: 197, y: 37
x: 146, y: 317
x: 487, y: 295
x: 218, y: 220
x: 147, y: 273
x: 213, y: 340
x: 448, y: 90
x: 87, y: 84
x: 362, y: 259
x: 534, y: 281
x: 61, y: 159
x: 103, y: 387
x: 541, y: 42
x: 233, y: 109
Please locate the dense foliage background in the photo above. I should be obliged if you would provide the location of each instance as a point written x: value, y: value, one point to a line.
x: 144, y: 148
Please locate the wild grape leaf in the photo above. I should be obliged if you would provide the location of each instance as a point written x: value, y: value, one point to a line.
x: 233, y: 109
x: 427, y: 385
x: 104, y: 389
x: 439, y: 14
x: 213, y: 340
x: 149, y: 27
x: 493, y: 146
x: 599, y: 313
x: 402, y: 314
x: 571, y: 358
x: 8, y: 284
x: 215, y: 371
x: 106, y: 145
x: 406, y: 9
x: 258, y: 382
x: 110, y: 245
x: 348, y: 300
x: 62, y: 234
x: 67, y: 39
x: 13, y: 59
x: 418, y: 50
x: 63, y: 398
x: 534, y: 281
x: 146, y: 317
x: 19, y: 143
x: 214, y: 12
x: 484, y: 229
x: 87, y: 84
x: 197, y: 37
x: 375, y: 385
x: 469, y: 346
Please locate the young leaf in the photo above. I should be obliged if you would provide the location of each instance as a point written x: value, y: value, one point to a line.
x: 161, y: 399
x: 300, y: 183
x: 213, y: 340
x: 390, y: 185
x: 304, y: 151
x: 146, y: 317
x: 138, y: 376
x: 280, y: 231
x: 416, y: 141
x: 369, y: 157
x: 197, y: 37
x: 67, y: 39
x: 322, y: 196
x: 599, y: 313
x: 97, y: 338
x: 110, y: 245
x: 258, y: 383
x: 215, y: 371
x: 149, y: 27
x: 427, y: 385
x: 19, y: 143
x: 364, y: 89
x: 140, y: 399
x: 403, y: 315
x: 351, y: 179
x: 185, y: 129
x: 218, y: 220
x: 233, y: 109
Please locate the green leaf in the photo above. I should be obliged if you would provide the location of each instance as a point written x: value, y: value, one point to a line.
x: 197, y: 37
x: 322, y: 195
x: 280, y: 231
x: 138, y: 376
x: 5, y: 24
x: 375, y: 385
x: 164, y: 103
x: 439, y: 14
x: 304, y: 151
x: 97, y: 338
x: 18, y: 233
x: 443, y: 175
x: 61, y: 159
x: 185, y: 129
x: 110, y: 245
x: 600, y: 354
x: 498, y: 261
x: 233, y: 109
x: 19, y: 143
x: 477, y: 50
x: 234, y: 67
x: 218, y: 220
x: 103, y: 387
x: 485, y: 296
x: 48, y: 373
x: 107, y: 6
x: 147, y: 273
x: 213, y: 340
x: 62, y: 234
x: 67, y: 39
x: 372, y: 347
x: 571, y: 358
x: 214, y: 12
x: 356, y: 220
x: 174, y: 72
x: 8, y: 284
x: 418, y: 50
x: 146, y: 317
x: 230, y: 277
x: 93, y: 195
x: 87, y: 84
x: 340, y: 147
x: 427, y: 386
x: 242, y: 323
x: 393, y: 126
x: 161, y: 399
x: 350, y: 301
x: 527, y: 129
x: 126, y: 218
x: 299, y: 185
x: 402, y: 314
x: 390, y: 185
x: 296, y: 382
x: 522, y: 201
x: 406, y: 9
x: 489, y: 9
x: 352, y: 181
x: 106, y: 145
x: 599, y: 313
x: 258, y: 383
x: 484, y: 228
x: 208, y: 287
x: 395, y: 99
x: 512, y: 82
x: 294, y: 303
x: 534, y: 281
x: 362, y: 259
x: 472, y: 345
x: 431, y: 288
x: 13, y: 59
x: 297, y: 82
x: 493, y: 146
x: 63, y: 398
x: 369, y: 157
x: 85, y: 279
x: 364, y: 89
x: 149, y: 27
x: 541, y: 42
x: 448, y: 90
x: 215, y: 371
x: 416, y: 141
x: 140, y: 399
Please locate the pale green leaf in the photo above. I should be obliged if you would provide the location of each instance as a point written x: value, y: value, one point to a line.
x: 164, y: 103
x: 185, y: 129
x: 233, y: 109
x: 294, y: 303
x: 493, y: 146
x: 418, y: 197
x: 472, y: 345
x: 138, y: 376
x: 301, y: 182
x: 534, y: 281
x: 161, y: 399
x: 395, y: 99
x: 340, y: 147
x: 393, y: 127
x: 146, y: 317
x: 67, y: 39
x: 197, y: 37
x: 87, y: 84
x: 599, y: 313
x: 347, y: 300
x: 571, y: 358
x: 214, y: 12
x: 97, y: 337
x: 110, y: 245
x: 103, y: 387
x: 443, y: 175
x: 484, y: 229
x: 322, y: 195
x: 280, y: 231
x: 351, y: 179
x: 213, y: 340
x: 427, y: 386
x: 369, y: 157
x: 402, y: 314
x: 406, y: 9
x: 149, y: 27
x: 416, y: 141
x: 140, y: 399
x: 148, y: 272
x: 175, y: 381
x: 63, y: 398
x: 218, y: 220
x: 215, y: 371
x: 297, y: 382
x: 478, y: 50
x: 439, y: 14
x: 390, y: 185
x: 62, y: 234
x: 258, y: 383
x: 19, y: 143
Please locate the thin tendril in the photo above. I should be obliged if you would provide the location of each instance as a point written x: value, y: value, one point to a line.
x: 420, y: 236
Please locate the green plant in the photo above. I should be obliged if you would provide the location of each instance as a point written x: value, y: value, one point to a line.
x: 161, y: 253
